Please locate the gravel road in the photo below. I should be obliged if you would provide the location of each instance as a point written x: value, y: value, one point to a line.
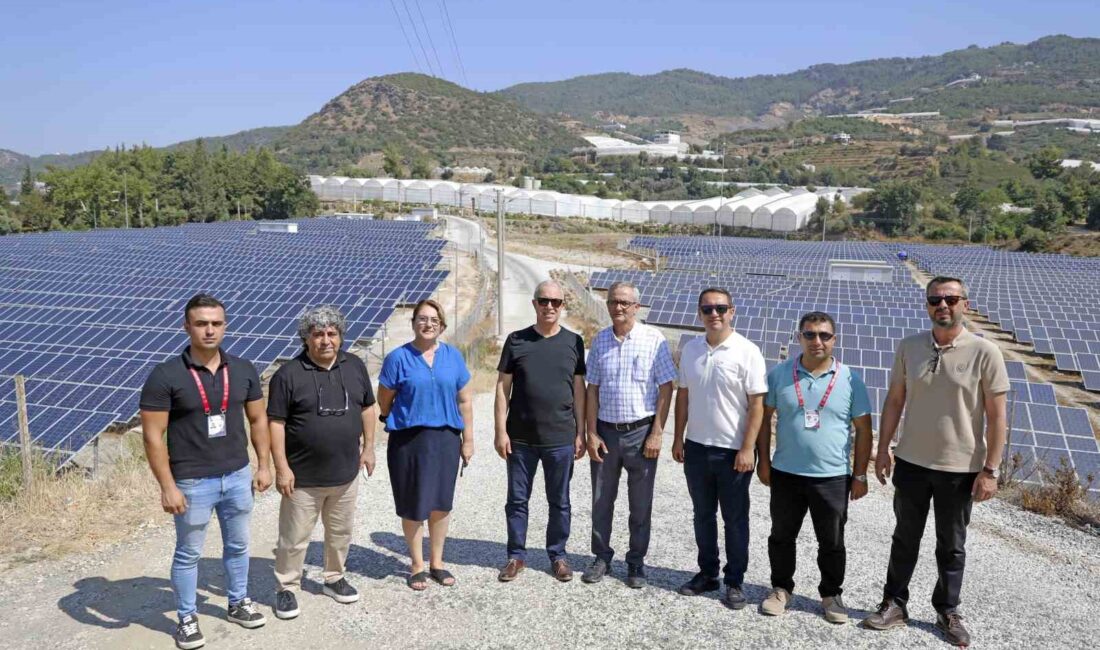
x: 1030, y: 582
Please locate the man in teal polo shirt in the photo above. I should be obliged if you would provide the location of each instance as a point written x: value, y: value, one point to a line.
x: 816, y: 399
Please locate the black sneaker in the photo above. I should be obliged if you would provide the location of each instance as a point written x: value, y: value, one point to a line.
x: 341, y: 591
x: 635, y: 576
x: 734, y: 598
x: 245, y: 614
x: 699, y: 583
x: 954, y: 632
x: 595, y: 571
x: 188, y: 635
x: 286, y: 605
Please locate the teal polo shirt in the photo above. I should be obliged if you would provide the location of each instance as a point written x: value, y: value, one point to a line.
x: 821, y: 452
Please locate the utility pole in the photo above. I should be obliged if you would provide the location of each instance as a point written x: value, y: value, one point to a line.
x: 456, y: 278
x: 125, y: 200
x: 500, y: 263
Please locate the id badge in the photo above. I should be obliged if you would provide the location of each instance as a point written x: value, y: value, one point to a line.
x: 813, y: 420
x: 215, y: 426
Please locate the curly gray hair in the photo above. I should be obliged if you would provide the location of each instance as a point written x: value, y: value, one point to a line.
x: 321, y: 316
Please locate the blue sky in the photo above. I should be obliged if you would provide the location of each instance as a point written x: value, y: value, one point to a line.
x: 86, y: 75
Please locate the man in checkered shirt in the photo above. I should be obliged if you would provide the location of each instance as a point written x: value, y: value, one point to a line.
x: 630, y: 375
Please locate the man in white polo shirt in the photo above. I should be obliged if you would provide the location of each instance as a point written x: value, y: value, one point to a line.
x: 720, y: 405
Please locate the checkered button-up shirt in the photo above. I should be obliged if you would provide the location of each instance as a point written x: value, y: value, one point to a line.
x: 629, y: 372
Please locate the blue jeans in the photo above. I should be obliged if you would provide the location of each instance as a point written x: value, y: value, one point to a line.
x: 557, y: 470
x: 229, y: 495
x: 712, y: 482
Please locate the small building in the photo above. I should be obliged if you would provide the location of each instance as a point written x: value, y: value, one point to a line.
x: 860, y: 271
x: 277, y: 226
x: 842, y: 138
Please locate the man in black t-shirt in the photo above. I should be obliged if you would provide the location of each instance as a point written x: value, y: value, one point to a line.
x: 540, y: 417
x: 322, y: 414
x: 199, y: 400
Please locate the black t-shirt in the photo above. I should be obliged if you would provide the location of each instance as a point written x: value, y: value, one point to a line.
x: 323, y: 412
x: 171, y: 387
x: 540, y: 410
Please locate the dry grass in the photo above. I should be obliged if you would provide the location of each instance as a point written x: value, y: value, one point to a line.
x: 69, y: 512
x: 1062, y: 494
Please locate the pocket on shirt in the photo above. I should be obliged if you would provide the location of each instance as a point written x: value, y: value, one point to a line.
x: 642, y: 369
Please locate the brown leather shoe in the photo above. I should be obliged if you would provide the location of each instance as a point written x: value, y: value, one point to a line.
x: 561, y: 570
x: 511, y: 570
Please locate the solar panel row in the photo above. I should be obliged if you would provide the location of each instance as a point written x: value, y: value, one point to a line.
x: 86, y: 315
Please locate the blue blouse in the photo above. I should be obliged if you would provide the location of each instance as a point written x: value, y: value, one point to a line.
x: 427, y: 396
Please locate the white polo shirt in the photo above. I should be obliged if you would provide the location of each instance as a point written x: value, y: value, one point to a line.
x: 719, y: 381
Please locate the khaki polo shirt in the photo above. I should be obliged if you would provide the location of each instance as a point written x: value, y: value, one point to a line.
x: 944, y: 427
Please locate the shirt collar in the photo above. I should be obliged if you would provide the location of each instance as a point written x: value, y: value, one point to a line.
x: 190, y: 363
x: 308, y: 364
x: 721, y: 346
x: 961, y: 338
x: 802, y: 368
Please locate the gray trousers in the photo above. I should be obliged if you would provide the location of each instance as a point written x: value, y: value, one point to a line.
x: 624, y: 451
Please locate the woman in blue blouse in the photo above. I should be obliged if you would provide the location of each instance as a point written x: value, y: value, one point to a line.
x: 426, y: 403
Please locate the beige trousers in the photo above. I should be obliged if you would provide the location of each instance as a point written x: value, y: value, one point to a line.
x: 297, y: 517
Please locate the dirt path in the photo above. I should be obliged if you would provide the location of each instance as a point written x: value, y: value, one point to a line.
x: 1026, y: 576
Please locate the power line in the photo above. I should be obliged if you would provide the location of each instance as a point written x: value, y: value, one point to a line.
x: 416, y: 33
x: 454, y: 42
x: 401, y: 24
x: 431, y: 42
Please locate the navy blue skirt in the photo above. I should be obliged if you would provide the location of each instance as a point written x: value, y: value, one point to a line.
x: 423, y: 466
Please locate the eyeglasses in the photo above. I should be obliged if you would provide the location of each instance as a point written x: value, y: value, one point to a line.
x: 426, y: 320
x: 950, y: 300
x: 553, y: 302
x: 323, y: 411
x: 710, y: 309
x: 934, y: 364
x: 621, y: 303
x: 824, y: 336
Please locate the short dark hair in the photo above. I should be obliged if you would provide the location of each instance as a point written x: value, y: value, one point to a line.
x: 715, y: 290
x: 943, y: 279
x: 817, y: 317
x: 201, y: 300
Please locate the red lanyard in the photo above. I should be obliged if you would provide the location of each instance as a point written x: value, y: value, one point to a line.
x: 828, y: 390
x: 202, y: 391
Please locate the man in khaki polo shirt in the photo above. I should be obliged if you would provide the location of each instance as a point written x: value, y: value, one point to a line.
x: 952, y: 386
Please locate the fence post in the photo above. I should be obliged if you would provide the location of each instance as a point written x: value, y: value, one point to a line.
x: 24, y: 430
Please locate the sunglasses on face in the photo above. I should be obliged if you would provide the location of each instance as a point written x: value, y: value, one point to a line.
x: 824, y: 336
x: 553, y: 302
x: 710, y: 309
x: 950, y: 300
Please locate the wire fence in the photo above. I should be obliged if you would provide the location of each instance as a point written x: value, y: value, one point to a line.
x: 590, y: 307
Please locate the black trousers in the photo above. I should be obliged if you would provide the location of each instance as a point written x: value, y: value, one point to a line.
x: 827, y: 500
x: 951, y: 499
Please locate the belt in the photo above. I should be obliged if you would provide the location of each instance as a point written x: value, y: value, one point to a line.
x: 629, y: 426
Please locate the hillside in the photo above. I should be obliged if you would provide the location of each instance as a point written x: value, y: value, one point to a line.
x: 419, y: 115
x: 1055, y: 72
x: 13, y: 164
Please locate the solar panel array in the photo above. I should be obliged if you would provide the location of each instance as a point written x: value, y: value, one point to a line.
x: 85, y: 316
x: 774, y: 282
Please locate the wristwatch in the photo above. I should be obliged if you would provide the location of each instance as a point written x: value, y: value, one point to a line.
x: 862, y: 478
x: 992, y: 471
x: 382, y: 418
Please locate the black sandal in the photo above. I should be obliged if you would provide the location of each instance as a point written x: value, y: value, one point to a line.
x: 418, y: 579
x: 441, y: 576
